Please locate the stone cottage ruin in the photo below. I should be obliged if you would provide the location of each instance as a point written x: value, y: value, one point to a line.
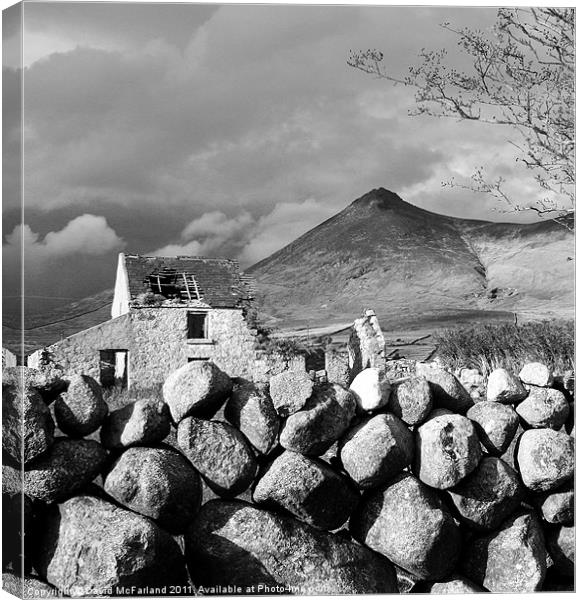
x: 166, y: 312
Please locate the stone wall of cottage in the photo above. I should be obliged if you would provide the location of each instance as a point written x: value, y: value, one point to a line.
x: 79, y: 353
x: 230, y: 343
x: 157, y: 343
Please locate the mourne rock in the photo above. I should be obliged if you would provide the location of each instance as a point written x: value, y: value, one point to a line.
x: 495, y: 423
x: 371, y: 389
x: 234, y: 543
x: 411, y: 400
x: 407, y: 522
x: 220, y: 453
x: 64, y: 470
x: 158, y: 483
x: 376, y: 450
x: 544, y: 407
x: 81, y: 409
x: 289, y: 391
x: 504, y: 387
x: 325, y: 417
x: 250, y: 410
x: 490, y: 561
x: 27, y: 425
x: 132, y: 550
x: 197, y: 389
x: 309, y: 489
x: 145, y: 421
x: 546, y: 459
x: 447, y: 391
x: 490, y: 494
x: 447, y: 450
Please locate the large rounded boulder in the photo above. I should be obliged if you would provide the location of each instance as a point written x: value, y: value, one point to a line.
x: 250, y: 410
x: 48, y: 381
x: 64, y: 470
x: 411, y: 400
x: 143, y: 422
x: 17, y: 518
x: 496, y: 425
x: 159, y: 483
x: 447, y: 450
x: 486, y: 497
x: 91, y: 547
x: 557, y: 506
x: 544, y: 407
x: 447, y: 391
x: 536, y: 373
x: 504, y: 387
x: 81, y: 409
x: 259, y: 552
x: 407, y: 522
x: 198, y: 388
x: 27, y: 425
x: 309, y: 489
x: 546, y: 459
x: 323, y: 420
x: 376, y: 450
x: 289, y: 391
x: 512, y: 559
x: 220, y: 453
x: 371, y: 389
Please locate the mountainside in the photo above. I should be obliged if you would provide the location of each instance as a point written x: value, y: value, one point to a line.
x: 43, y: 328
x: 412, y: 265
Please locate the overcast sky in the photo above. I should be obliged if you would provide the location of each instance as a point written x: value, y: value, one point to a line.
x: 220, y: 131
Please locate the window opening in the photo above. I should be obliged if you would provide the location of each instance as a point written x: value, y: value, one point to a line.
x: 197, y: 325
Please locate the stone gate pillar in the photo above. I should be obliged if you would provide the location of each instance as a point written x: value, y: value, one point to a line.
x: 366, y: 344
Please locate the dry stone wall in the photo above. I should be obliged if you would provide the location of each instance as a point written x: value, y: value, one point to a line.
x: 211, y: 488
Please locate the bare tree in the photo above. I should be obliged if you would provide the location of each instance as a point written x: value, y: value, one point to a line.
x: 521, y: 76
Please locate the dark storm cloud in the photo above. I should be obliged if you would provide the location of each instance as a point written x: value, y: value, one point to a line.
x: 245, y: 119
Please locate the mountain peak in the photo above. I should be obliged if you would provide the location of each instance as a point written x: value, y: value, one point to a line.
x: 381, y: 198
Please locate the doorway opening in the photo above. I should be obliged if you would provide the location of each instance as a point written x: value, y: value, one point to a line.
x: 114, y: 368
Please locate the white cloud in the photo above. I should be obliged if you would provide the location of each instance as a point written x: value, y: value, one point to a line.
x: 209, y: 234
x: 285, y: 223
x: 217, y: 225
x: 87, y: 234
x: 193, y: 248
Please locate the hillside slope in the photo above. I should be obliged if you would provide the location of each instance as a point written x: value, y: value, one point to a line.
x: 43, y: 328
x: 413, y: 265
